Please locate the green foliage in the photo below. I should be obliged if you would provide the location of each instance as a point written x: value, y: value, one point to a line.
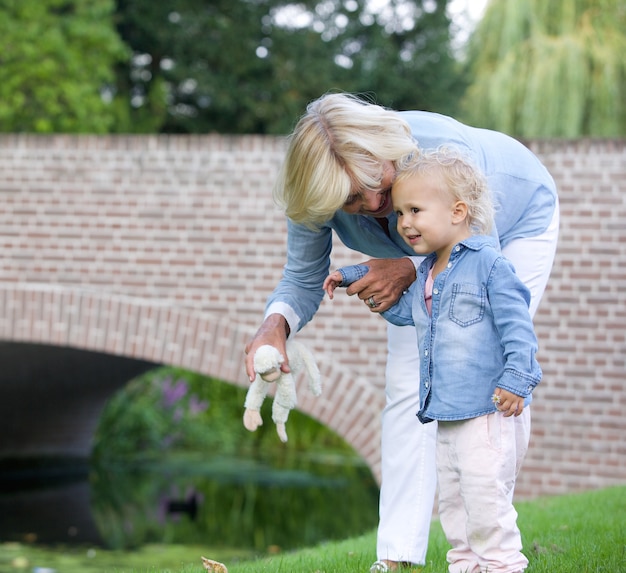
x: 152, y: 415
x: 404, y: 57
x: 228, y: 66
x: 170, y: 410
x: 175, y: 436
x: 57, y: 57
x: 235, y: 66
x: 549, y: 68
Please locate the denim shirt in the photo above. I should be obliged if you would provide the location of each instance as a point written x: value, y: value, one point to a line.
x: 524, y: 194
x: 479, y: 337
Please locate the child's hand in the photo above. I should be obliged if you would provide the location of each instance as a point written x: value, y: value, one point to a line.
x: 333, y: 280
x: 508, y: 403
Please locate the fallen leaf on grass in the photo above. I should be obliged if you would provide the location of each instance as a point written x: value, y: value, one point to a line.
x: 213, y: 566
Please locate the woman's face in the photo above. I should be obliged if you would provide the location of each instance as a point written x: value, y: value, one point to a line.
x: 376, y: 203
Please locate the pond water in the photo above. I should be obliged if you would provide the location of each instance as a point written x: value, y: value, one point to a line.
x: 172, y: 463
x: 250, y: 504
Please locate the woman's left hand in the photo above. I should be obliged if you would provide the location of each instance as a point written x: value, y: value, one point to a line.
x: 384, y: 283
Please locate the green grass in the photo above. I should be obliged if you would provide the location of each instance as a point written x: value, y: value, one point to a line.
x: 582, y: 533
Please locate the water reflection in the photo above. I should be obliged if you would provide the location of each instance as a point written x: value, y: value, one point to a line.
x: 49, y: 514
x: 233, y: 502
x: 227, y: 502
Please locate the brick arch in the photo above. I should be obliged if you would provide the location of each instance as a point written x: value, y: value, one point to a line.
x: 150, y: 331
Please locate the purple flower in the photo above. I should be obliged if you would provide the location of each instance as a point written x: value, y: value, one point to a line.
x: 196, y: 406
x: 173, y: 392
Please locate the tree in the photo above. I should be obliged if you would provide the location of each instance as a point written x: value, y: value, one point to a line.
x: 403, y: 55
x: 549, y: 68
x: 56, y: 65
x: 244, y: 66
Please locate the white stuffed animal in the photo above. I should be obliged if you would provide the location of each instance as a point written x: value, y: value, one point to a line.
x: 267, y: 361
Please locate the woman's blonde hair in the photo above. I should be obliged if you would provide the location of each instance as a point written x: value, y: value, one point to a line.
x: 463, y: 182
x: 338, y: 145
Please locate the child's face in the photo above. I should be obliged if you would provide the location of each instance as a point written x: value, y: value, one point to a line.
x: 427, y: 217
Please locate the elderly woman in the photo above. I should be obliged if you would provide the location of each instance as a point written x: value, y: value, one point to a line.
x: 337, y: 174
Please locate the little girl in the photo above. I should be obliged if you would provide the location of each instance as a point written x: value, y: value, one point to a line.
x: 477, y: 348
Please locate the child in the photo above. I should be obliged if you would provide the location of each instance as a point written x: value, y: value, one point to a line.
x: 477, y: 347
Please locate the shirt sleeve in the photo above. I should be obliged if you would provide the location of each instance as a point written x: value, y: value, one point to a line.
x: 401, y: 313
x: 299, y: 293
x: 352, y: 273
x: 509, y: 299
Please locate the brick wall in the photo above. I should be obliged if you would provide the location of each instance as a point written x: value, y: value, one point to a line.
x: 579, y: 434
x: 164, y: 248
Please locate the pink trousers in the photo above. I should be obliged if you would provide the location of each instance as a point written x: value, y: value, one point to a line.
x: 477, y: 463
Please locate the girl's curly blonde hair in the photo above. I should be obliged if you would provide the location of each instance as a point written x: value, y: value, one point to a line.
x: 463, y: 182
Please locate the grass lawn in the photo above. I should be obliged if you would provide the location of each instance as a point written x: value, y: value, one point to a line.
x: 581, y: 533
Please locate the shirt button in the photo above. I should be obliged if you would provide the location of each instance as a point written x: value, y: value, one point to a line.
x: 425, y: 384
x: 449, y: 265
x: 435, y: 291
x: 425, y: 352
x: 457, y: 248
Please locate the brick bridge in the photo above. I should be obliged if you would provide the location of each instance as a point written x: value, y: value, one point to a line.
x: 119, y: 253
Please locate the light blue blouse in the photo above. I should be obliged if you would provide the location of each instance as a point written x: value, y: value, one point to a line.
x: 524, y: 195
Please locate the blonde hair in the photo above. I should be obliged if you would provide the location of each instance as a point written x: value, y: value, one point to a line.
x: 463, y: 182
x: 339, y: 144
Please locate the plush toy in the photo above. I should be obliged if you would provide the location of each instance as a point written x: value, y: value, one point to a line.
x: 267, y: 361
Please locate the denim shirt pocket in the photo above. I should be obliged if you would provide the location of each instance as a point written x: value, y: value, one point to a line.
x: 467, y: 305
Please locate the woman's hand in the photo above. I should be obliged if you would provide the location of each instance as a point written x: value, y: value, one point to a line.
x: 384, y: 283
x: 273, y: 331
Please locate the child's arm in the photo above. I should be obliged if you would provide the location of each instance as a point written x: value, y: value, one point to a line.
x: 509, y: 304
x: 398, y: 314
